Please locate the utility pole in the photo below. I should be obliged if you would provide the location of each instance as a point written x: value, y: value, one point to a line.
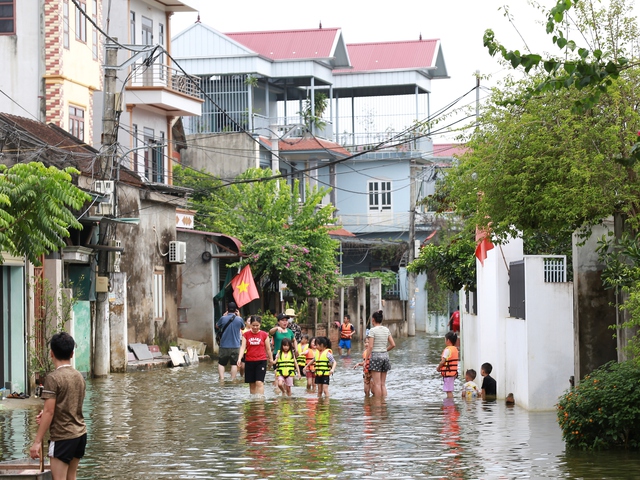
x: 411, y: 277
x: 102, y: 347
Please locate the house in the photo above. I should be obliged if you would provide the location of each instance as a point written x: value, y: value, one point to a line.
x: 54, y: 57
x: 325, y: 112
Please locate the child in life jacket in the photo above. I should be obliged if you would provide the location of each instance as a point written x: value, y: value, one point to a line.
x: 325, y: 365
x: 448, y: 366
x: 301, y: 358
x: 286, y: 367
x: 310, y: 369
x: 366, y: 373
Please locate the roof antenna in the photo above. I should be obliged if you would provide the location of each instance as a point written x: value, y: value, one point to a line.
x: 198, y: 21
x: 420, y: 36
x: 320, y: 24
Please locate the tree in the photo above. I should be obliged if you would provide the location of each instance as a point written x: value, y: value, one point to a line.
x: 36, y: 206
x: 285, y: 238
x: 540, y: 166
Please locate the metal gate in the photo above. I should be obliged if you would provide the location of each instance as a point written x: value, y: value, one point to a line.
x: 516, y: 289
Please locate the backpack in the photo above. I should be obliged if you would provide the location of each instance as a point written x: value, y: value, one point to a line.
x: 220, y: 331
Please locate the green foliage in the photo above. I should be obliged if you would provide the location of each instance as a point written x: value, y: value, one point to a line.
x: 387, y: 278
x: 453, y: 262
x: 320, y: 105
x: 35, y: 208
x: 268, y: 321
x: 283, y: 238
x: 612, y: 30
x: 540, y: 167
x: 603, y: 411
x: 56, y: 312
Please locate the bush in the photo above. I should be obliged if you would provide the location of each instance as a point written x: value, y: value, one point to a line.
x: 603, y: 411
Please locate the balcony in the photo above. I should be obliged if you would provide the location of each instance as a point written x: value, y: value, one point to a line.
x: 162, y: 87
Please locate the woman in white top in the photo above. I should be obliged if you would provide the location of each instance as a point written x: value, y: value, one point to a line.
x: 379, y: 342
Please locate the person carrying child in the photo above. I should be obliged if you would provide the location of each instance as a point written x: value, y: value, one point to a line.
x: 324, y: 364
x: 286, y: 367
x: 470, y: 389
x: 448, y: 366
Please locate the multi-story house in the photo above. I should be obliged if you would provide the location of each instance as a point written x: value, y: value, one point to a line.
x: 326, y: 112
x: 54, y: 54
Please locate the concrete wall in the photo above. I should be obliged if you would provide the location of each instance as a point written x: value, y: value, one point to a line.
x: 198, y: 286
x: 593, y: 310
x: 533, y: 357
x: 146, y: 246
x: 225, y: 155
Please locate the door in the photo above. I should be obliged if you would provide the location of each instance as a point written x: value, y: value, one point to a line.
x: 13, y: 373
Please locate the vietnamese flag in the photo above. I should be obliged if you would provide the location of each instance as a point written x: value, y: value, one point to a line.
x: 244, y: 288
x: 483, y: 245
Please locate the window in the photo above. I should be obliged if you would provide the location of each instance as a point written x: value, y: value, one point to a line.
x: 157, y: 161
x: 161, y: 56
x: 7, y: 17
x: 76, y: 122
x: 132, y: 23
x: 158, y: 294
x: 149, y: 141
x: 147, y: 31
x: 81, y: 22
x: 134, y: 167
x: 65, y: 23
x: 379, y: 195
x: 94, y: 31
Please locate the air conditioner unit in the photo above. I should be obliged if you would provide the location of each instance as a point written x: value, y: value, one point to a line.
x: 101, y: 210
x: 114, y: 257
x: 177, y: 252
x: 104, y: 187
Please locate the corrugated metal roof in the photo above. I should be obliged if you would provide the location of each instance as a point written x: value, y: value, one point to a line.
x: 367, y: 57
x: 290, y: 44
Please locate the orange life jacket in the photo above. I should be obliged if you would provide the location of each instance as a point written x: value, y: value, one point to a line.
x: 450, y: 367
x: 345, y: 330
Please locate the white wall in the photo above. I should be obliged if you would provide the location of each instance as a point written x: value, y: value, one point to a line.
x: 533, y: 357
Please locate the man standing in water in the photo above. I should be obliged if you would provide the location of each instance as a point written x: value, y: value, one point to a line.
x: 231, y: 325
x: 63, y: 395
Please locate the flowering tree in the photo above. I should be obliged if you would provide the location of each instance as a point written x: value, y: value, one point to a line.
x: 285, y: 238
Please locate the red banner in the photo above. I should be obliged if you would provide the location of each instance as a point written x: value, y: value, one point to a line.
x: 244, y: 288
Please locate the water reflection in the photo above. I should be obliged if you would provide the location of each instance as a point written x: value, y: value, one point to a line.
x: 182, y: 423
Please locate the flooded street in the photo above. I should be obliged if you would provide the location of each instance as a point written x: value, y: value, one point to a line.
x: 182, y: 423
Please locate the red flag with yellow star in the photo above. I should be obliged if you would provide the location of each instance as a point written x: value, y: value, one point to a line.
x: 244, y: 288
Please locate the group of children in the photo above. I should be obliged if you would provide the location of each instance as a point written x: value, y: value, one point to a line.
x: 313, y: 359
x: 448, y: 368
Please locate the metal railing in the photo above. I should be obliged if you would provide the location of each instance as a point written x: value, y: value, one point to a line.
x: 555, y: 268
x: 159, y: 75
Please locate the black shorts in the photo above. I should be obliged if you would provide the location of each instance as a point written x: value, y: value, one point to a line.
x: 228, y: 354
x: 322, y: 379
x: 67, y: 450
x: 255, y: 371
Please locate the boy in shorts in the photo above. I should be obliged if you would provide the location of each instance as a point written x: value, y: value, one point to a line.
x: 63, y: 395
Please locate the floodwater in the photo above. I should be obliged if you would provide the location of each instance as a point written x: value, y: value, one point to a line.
x: 182, y: 423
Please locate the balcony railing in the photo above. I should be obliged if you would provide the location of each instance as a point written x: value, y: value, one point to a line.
x: 159, y: 75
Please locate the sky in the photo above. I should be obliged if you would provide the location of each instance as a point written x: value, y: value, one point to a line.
x: 459, y: 25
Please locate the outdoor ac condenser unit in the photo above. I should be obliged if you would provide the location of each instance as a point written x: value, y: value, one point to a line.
x: 177, y: 252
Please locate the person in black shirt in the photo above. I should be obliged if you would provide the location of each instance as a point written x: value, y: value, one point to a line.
x: 488, y: 383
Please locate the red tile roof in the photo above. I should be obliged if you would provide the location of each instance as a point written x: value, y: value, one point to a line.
x: 409, y: 55
x: 307, y: 144
x: 290, y: 44
x: 449, y: 149
x: 341, y: 232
